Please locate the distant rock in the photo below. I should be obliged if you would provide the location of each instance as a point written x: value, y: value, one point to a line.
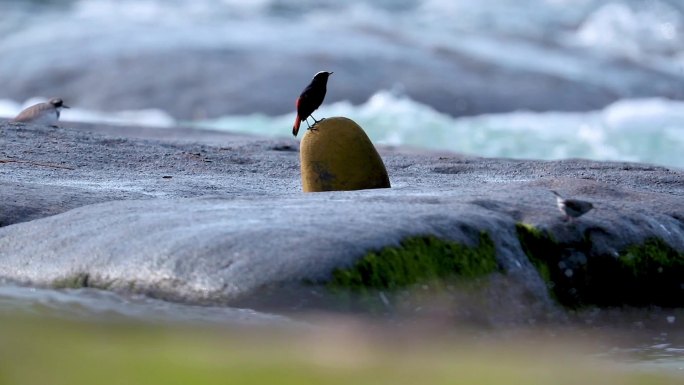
x: 450, y: 81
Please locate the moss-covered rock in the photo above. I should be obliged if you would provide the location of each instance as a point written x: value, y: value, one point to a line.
x: 416, y: 260
x: 651, y: 273
x: 653, y: 270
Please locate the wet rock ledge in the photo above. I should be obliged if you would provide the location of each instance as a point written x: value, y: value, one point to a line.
x: 203, y: 216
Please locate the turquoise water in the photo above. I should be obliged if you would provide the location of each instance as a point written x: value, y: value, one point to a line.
x: 432, y: 74
x: 643, y: 130
x: 637, y: 130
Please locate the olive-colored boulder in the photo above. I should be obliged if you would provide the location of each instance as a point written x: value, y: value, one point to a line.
x: 337, y: 155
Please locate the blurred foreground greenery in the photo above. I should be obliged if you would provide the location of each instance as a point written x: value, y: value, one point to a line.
x: 40, y: 350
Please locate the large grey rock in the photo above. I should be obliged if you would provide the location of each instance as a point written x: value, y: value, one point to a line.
x: 219, y: 248
x: 231, y: 219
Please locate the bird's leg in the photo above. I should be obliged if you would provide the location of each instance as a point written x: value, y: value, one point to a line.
x: 311, y: 128
x: 316, y: 121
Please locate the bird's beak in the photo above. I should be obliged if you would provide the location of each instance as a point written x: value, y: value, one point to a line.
x: 65, y: 106
x: 330, y: 73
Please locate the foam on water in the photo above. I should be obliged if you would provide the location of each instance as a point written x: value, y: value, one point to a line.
x: 632, y: 29
x: 565, y: 39
x: 647, y: 130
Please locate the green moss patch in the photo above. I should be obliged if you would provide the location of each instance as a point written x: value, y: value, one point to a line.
x: 416, y: 260
x: 645, y: 274
x: 536, y: 245
x: 653, y: 270
x: 76, y: 281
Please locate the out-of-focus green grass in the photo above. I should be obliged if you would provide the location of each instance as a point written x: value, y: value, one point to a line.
x: 49, y: 351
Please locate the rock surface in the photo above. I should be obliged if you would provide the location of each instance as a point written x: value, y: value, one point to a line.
x: 202, y: 216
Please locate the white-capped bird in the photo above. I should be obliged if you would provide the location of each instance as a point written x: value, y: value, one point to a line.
x: 42, y: 113
x: 310, y: 99
x: 572, y: 208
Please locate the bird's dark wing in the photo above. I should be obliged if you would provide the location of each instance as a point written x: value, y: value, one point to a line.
x: 304, y: 103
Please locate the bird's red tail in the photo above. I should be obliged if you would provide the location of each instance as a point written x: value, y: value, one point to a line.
x: 295, y: 128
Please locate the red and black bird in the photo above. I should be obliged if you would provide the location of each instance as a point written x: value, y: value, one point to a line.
x: 310, y: 99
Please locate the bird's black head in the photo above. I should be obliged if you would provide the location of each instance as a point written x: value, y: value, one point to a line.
x: 322, y: 76
x: 57, y: 102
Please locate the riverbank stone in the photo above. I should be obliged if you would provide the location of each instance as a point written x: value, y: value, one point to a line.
x: 337, y: 155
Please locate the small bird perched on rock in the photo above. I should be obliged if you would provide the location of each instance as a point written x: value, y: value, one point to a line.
x: 310, y: 99
x: 42, y: 113
x: 572, y: 208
